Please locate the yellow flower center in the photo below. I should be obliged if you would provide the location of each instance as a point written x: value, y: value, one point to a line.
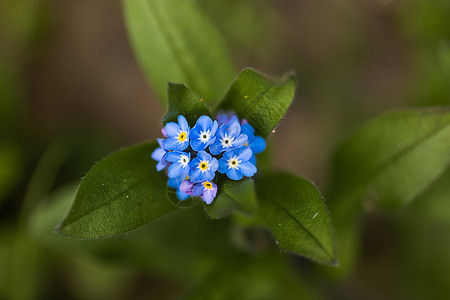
x: 203, y: 166
x: 182, y: 137
x: 207, y: 185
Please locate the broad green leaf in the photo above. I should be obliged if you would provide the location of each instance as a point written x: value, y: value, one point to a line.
x: 174, y: 41
x: 295, y: 212
x: 444, y: 57
x: 183, y: 101
x: 393, y: 159
x: 262, y: 101
x: 121, y: 193
x: 184, y: 246
x: 423, y: 230
x: 232, y: 196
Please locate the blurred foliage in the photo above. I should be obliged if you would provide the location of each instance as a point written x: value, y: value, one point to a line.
x: 353, y: 60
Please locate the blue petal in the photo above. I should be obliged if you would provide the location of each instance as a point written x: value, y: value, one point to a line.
x: 198, y: 189
x: 164, y: 133
x: 172, y: 129
x: 258, y: 145
x: 240, y: 141
x: 221, y: 131
x: 173, y: 156
x: 208, y: 175
x: 183, y: 145
x: 204, y: 156
x: 234, y: 128
x: 197, y: 145
x: 253, y: 160
x: 247, y: 169
x: 211, y: 140
x: 195, y: 175
x: 161, y: 164
x: 222, y: 119
x: 229, y: 154
x: 209, y: 195
x: 176, y: 170
x: 194, y: 163
x: 213, y: 164
x: 233, y: 118
x: 158, y: 154
x: 223, y: 165
x: 214, y: 128
x: 174, y: 183
x: 204, y: 122
x: 215, y: 148
x: 234, y: 174
x: 171, y: 143
x: 183, y: 123
x: 248, y: 130
x: 182, y: 196
x: 160, y: 142
x: 244, y: 153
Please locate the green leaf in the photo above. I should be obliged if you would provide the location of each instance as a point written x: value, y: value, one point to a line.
x: 444, y: 57
x: 393, y: 159
x: 232, y: 196
x: 263, y: 102
x: 183, y: 101
x: 121, y: 193
x: 295, y: 212
x: 174, y: 247
x: 174, y: 41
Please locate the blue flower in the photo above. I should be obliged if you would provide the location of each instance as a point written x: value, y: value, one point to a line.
x: 175, y: 183
x: 202, y: 167
x: 228, y: 137
x: 178, y: 135
x: 186, y: 186
x: 206, y: 189
x: 158, y: 155
x: 203, y: 133
x: 256, y: 143
x: 180, y: 164
x: 236, y: 163
x: 225, y: 118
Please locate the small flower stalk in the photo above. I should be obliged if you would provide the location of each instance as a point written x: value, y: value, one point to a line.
x: 192, y: 157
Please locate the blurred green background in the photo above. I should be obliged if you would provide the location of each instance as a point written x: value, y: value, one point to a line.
x: 71, y: 92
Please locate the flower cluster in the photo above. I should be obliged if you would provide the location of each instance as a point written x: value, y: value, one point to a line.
x: 191, y: 156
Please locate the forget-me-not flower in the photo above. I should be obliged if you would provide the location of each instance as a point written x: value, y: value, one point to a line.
x: 236, y: 164
x: 228, y: 137
x: 175, y: 183
x: 178, y: 135
x: 225, y: 118
x: 203, y: 167
x: 158, y: 155
x: 256, y: 143
x: 179, y: 166
x: 186, y: 186
x: 203, y: 133
x: 206, y: 189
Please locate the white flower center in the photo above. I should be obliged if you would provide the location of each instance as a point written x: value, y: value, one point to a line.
x: 184, y: 160
x: 226, y: 141
x: 233, y: 163
x: 204, y: 136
